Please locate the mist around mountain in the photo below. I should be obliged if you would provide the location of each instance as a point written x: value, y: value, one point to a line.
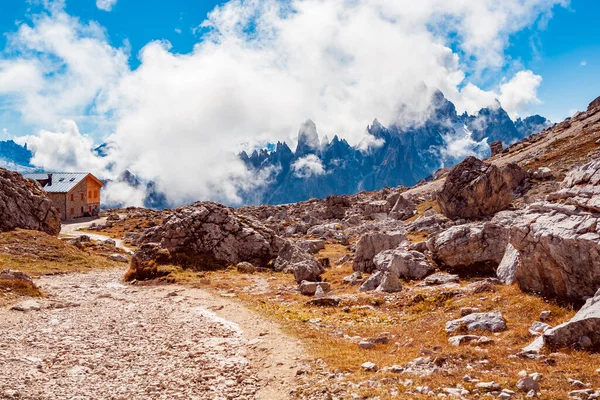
x: 15, y: 157
x: 391, y: 156
x: 318, y: 167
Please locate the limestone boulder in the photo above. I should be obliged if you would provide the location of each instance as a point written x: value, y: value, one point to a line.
x: 208, y: 235
x: 403, y: 209
x: 302, y: 264
x: 473, y: 249
x: 509, y: 264
x: 336, y: 206
x: 474, y: 189
x: 583, y: 330
x: 372, y: 243
x: 25, y: 205
x: 404, y: 263
x: 559, y: 251
x: 557, y: 240
x: 491, y: 321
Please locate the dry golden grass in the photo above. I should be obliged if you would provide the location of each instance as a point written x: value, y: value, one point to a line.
x: 562, y: 153
x: 122, y: 227
x: 425, y: 206
x: 414, y: 319
x: 37, y: 253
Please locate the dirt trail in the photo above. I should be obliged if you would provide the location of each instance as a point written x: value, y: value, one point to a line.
x: 95, y: 338
x: 72, y: 229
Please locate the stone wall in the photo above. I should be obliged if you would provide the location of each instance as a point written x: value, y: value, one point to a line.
x: 59, y: 201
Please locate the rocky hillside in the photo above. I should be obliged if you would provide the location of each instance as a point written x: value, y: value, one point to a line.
x: 24, y: 204
x: 396, y: 155
x: 464, y: 286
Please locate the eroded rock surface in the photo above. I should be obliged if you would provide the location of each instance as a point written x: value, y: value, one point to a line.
x: 373, y: 243
x: 474, y: 189
x: 25, y: 205
x: 474, y: 248
x: 208, y: 235
x: 558, y: 243
x: 404, y: 263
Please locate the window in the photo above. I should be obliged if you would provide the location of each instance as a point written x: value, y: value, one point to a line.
x: 89, y: 194
x: 81, y: 210
x: 72, y: 210
x: 82, y: 197
x: 72, y: 198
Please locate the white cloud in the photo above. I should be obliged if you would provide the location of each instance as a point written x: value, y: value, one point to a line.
x: 64, y: 150
x: 518, y: 93
x: 106, y: 5
x: 308, y: 166
x: 264, y: 66
x: 177, y: 31
x: 583, y: 63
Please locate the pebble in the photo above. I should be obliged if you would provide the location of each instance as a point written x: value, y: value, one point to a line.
x: 369, y: 366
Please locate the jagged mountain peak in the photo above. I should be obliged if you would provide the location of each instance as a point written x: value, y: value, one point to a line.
x: 308, y: 138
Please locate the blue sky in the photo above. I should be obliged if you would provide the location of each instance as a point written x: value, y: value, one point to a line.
x: 566, y: 52
x: 171, y: 96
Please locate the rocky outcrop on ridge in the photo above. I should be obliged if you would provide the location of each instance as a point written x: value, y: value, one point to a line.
x: 474, y: 189
x: 25, y: 205
x: 557, y: 240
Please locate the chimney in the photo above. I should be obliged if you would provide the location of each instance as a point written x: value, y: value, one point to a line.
x: 49, y: 180
x: 496, y: 147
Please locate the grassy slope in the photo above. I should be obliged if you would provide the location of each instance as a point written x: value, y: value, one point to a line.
x: 37, y: 253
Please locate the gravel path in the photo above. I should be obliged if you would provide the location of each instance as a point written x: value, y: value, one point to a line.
x: 72, y: 229
x: 95, y: 338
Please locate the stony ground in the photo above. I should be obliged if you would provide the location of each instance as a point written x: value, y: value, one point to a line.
x: 95, y: 338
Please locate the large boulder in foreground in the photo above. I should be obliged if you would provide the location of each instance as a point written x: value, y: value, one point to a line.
x: 25, y: 205
x: 474, y: 189
x: 471, y: 249
x: 208, y: 235
x: 558, y: 242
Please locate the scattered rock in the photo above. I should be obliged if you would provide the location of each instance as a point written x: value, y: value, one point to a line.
x: 245, y: 268
x: 207, y: 235
x: 538, y: 328
x: 491, y: 321
x: 441, y: 278
x: 118, y: 257
x: 545, y: 315
x: 26, y: 306
x: 355, y: 279
x: 508, y: 265
x: 366, y: 345
x: 310, y: 288
x: 372, y: 243
x: 527, y: 384
x: 403, y: 209
x: 304, y: 266
x: 373, y: 282
x: 13, y: 275
x: 403, y: 263
x: 470, y: 339
x: 389, y: 283
x: 369, y: 366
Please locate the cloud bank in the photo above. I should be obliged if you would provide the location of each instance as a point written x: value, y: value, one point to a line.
x: 258, y: 69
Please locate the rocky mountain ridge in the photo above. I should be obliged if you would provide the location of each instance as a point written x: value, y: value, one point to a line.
x: 394, y: 156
